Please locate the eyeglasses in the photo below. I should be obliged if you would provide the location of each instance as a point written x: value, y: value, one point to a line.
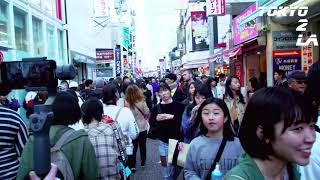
x: 301, y: 81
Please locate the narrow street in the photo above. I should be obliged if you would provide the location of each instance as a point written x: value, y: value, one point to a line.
x: 152, y: 169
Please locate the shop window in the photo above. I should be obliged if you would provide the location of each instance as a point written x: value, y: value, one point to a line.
x: 20, y: 30
x: 60, y: 46
x: 4, y: 23
x: 37, y: 36
x: 50, y: 41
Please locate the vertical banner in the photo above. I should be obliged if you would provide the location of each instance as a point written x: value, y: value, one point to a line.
x: 199, y: 26
x: 286, y: 60
x: 126, y: 37
x: 238, y: 69
x: 306, y: 53
x: 216, y: 7
x: 117, y: 59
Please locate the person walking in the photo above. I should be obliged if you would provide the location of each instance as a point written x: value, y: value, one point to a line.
x: 138, y: 106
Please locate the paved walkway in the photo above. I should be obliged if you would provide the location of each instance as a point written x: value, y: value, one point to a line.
x: 152, y: 171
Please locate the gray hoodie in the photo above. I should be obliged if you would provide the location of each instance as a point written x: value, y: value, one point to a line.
x: 202, y: 153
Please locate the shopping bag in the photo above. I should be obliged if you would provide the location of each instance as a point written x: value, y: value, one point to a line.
x: 177, y: 152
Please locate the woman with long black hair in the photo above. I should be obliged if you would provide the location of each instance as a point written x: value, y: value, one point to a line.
x: 235, y: 102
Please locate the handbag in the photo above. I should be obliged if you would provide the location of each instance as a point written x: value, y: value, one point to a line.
x: 217, y: 158
x: 177, y: 152
x: 123, y: 165
x: 146, y: 117
x: 153, y: 130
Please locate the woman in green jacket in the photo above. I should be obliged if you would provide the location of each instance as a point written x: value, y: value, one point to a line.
x: 277, y: 132
x: 77, y: 149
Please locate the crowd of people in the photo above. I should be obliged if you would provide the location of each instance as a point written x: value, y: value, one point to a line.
x: 260, y: 133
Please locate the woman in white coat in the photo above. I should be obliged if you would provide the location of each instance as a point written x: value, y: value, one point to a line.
x: 125, y: 119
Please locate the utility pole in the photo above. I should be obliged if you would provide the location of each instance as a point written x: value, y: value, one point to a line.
x: 212, y: 23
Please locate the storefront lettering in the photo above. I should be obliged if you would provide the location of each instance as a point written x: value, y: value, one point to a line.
x: 287, y: 67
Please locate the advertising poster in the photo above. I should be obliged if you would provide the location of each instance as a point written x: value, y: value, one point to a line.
x: 286, y: 60
x: 117, y: 60
x: 126, y: 37
x: 199, y: 25
x: 247, y: 30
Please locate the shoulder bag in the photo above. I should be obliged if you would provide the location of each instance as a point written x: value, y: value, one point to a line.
x: 217, y: 158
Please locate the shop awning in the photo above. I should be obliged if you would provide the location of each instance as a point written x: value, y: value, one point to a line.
x: 236, y: 51
x: 313, y: 10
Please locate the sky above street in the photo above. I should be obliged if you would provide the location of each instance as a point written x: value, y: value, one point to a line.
x: 156, y: 25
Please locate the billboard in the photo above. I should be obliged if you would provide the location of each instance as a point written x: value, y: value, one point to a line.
x: 286, y: 60
x: 199, y: 26
x: 126, y: 37
x: 247, y: 30
x: 104, y: 54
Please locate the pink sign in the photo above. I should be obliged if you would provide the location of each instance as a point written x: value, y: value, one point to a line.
x: 247, y: 30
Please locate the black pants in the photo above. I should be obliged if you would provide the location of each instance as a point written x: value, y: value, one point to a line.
x: 142, y: 142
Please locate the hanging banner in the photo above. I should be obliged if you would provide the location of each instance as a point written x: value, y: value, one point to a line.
x: 246, y: 31
x: 306, y: 53
x: 199, y: 26
x: 117, y: 59
x: 286, y: 60
x: 238, y: 69
x: 104, y: 54
x: 126, y: 37
x: 216, y: 7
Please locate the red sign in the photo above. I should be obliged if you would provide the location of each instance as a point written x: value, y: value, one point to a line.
x: 290, y: 52
x: 238, y: 69
x: 104, y: 54
x: 1, y: 57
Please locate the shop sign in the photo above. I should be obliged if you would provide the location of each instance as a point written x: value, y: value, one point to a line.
x: 238, y: 69
x: 286, y: 60
x: 306, y: 53
x: 126, y: 37
x: 284, y: 39
x: 199, y: 26
x: 104, y: 54
x: 81, y: 58
x: 100, y: 8
x: 216, y: 7
x: 246, y: 31
x: 117, y: 59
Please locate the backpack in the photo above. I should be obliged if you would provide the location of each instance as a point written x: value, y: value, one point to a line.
x: 60, y: 159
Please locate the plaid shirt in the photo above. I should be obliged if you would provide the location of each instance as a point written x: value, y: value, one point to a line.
x: 106, y: 148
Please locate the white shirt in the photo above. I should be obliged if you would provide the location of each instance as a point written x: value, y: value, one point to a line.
x: 126, y: 121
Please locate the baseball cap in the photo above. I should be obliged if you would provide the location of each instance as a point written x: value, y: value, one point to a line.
x: 297, y: 75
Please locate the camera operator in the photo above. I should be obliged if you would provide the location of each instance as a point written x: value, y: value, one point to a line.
x: 13, y: 137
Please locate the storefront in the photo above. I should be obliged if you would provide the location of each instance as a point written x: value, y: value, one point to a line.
x: 251, y: 58
x: 85, y: 66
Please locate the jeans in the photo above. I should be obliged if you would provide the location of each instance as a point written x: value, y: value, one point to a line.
x: 141, y: 141
x: 169, y: 172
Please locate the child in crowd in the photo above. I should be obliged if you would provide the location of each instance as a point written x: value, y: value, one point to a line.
x: 215, y: 127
